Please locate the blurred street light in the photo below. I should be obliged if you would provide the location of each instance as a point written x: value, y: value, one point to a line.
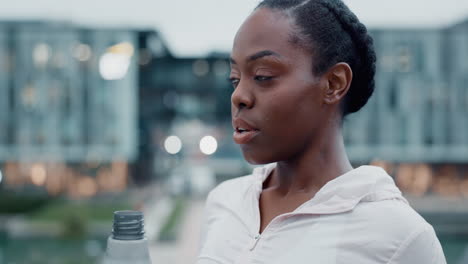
x: 173, y: 144
x: 114, y: 64
x: 208, y: 145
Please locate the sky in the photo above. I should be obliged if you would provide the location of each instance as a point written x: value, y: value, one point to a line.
x: 198, y: 27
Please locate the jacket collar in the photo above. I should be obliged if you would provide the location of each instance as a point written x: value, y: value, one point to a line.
x: 342, y: 194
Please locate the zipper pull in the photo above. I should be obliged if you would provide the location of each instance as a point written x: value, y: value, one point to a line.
x: 254, y: 244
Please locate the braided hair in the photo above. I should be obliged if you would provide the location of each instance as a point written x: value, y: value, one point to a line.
x: 333, y: 34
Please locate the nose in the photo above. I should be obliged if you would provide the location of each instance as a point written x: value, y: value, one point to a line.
x: 242, y: 97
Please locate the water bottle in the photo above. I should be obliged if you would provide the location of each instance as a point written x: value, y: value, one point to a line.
x: 127, y: 244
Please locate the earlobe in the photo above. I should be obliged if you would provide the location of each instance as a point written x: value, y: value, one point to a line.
x: 339, y: 80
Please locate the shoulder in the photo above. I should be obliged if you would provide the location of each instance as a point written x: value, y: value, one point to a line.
x: 418, y: 242
x: 420, y: 246
x: 408, y: 237
x: 391, y: 219
x: 394, y: 213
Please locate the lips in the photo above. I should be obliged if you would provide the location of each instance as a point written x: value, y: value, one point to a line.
x: 243, y: 131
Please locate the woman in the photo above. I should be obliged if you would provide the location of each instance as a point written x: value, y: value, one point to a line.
x: 298, y: 67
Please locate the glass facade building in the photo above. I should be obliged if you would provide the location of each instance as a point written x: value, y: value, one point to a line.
x: 56, y: 102
x: 418, y: 112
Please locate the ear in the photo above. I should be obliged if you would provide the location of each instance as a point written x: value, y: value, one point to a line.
x: 339, y: 78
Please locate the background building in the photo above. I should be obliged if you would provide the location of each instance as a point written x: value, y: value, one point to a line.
x: 68, y: 99
x: 417, y: 111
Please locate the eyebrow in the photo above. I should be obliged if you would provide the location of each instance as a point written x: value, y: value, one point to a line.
x: 258, y: 55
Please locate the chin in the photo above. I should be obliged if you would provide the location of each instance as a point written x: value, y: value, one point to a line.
x: 257, y: 158
x: 256, y: 162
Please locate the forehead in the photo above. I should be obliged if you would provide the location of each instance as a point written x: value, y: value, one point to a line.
x: 265, y: 29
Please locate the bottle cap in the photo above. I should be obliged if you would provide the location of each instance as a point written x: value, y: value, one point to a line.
x: 128, y: 225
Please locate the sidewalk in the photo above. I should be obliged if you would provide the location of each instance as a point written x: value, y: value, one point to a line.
x: 184, y: 250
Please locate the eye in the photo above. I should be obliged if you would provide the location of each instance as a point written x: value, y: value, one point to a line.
x: 234, y: 81
x: 261, y: 78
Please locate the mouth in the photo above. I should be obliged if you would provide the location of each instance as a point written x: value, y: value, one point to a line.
x: 243, y: 135
x: 243, y: 132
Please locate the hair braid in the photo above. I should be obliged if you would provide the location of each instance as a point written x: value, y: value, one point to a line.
x: 334, y: 34
x: 363, y: 86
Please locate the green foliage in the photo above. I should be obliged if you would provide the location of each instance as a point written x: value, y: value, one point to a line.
x: 16, y: 203
x: 90, y: 210
x: 75, y: 217
x: 75, y: 226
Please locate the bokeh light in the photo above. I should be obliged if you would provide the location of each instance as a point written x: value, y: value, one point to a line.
x: 173, y: 144
x: 201, y: 68
x: 38, y: 174
x: 208, y: 145
x: 87, y: 186
x: 114, y: 64
x: 41, y: 54
x: 82, y: 52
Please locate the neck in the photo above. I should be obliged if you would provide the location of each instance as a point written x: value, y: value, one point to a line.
x: 321, y: 162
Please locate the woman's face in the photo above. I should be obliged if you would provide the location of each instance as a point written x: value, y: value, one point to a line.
x: 277, y: 107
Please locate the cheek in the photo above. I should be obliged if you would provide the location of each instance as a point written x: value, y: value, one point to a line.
x: 291, y: 108
x: 293, y: 120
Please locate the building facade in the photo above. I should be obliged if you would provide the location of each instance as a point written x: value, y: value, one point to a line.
x: 418, y: 112
x: 68, y: 96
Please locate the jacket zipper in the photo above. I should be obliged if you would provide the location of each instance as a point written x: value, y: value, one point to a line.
x: 258, y: 236
x: 256, y: 239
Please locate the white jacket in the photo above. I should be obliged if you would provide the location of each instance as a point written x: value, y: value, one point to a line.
x: 359, y: 217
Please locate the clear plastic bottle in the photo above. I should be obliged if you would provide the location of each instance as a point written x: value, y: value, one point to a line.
x: 127, y: 244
